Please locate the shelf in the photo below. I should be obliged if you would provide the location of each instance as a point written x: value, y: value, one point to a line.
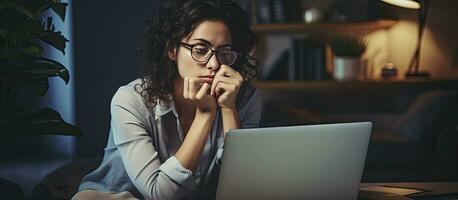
x: 343, y: 27
x: 333, y: 84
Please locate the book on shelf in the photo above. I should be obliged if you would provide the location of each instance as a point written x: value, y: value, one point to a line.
x: 305, y: 60
x: 286, y: 11
x: 279, y: 72
x: 278, y: 11
x: 275, y: 11
x: 263, y: 11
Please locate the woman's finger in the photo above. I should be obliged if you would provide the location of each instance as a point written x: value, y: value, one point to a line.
x: 222, y: 72
x: 186, y: 88
x: 193, y: 88
x: 219, y: 78
x: 224, y: 87
x: 213, y: 86
x: 228, y: 71
x: 229, y: 80
x: 203, y: 90
x: 195, y: 84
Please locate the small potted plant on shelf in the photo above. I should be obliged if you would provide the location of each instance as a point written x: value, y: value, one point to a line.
x: 347, y: 57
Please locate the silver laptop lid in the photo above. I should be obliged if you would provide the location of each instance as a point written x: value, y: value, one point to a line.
x: 298, y: 162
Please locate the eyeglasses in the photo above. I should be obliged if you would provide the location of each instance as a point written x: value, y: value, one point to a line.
x: 202, y: 53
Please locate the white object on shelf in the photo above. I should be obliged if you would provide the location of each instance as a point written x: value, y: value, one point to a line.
x: 347, y: 68
x: 312, y: 15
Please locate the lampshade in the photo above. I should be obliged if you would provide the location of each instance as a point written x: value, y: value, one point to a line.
x: 404, y: 3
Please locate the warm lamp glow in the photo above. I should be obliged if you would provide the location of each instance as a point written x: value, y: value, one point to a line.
x: 404, y: 3
x: 422, y: 6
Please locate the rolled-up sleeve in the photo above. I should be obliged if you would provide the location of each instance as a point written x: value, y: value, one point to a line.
x: 153, y: 179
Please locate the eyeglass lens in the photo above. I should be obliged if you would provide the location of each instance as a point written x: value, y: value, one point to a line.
x: 202, y: 53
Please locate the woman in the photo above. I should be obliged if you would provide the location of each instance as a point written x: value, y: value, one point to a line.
x: 168, y: 128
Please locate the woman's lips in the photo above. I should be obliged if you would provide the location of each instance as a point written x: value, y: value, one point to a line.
x: 207, y: 78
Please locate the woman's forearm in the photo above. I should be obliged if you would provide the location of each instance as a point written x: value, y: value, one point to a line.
x: 191, y: 149
x: 231, y: 119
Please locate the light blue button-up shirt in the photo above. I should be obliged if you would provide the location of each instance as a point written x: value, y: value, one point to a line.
x: 139, y: 156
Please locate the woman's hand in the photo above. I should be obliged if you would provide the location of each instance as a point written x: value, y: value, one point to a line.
x: 197, y: 91
x: 225, y: 87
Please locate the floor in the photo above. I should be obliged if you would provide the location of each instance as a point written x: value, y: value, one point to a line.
x: 28, y: 172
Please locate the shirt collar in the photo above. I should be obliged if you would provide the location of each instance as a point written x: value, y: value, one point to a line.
x: 163, y: 108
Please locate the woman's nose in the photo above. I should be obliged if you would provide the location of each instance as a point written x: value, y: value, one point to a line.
x: 213, y: 63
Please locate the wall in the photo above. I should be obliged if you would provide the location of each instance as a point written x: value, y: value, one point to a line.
x: 106, y: 33
x: 439, y: 51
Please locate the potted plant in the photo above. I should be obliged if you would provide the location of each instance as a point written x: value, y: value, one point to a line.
x: 22, y: 36
x: 347, y: 59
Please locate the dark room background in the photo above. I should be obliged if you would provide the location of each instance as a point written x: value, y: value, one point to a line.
x: 106, y: 33
x: 103, y: 36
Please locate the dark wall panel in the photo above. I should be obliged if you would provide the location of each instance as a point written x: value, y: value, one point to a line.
x: 105, y: 35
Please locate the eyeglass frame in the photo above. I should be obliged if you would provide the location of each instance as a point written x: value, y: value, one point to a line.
x: 213, y: 52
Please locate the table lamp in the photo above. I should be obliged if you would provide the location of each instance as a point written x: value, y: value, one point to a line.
x: 422, y: 6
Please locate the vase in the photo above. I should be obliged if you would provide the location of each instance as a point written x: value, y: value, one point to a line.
x: 347, y: 68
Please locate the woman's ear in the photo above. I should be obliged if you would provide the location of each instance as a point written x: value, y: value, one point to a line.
x: 173, y: 54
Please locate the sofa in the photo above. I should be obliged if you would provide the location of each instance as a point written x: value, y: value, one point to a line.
x: 415, y: 136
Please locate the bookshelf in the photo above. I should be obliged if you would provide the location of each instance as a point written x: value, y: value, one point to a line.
x: 409, y: 83
x: 363, y: 27
x: 322, y: 32
x: 293, y: 50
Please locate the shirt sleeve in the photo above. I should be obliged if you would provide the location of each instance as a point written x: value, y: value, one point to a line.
x: 153, y: 179
x: 251, y: 114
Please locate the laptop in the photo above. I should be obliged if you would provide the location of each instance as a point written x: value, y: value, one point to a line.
x: 296, y: 162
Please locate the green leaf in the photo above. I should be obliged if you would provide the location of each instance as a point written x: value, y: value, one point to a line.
x: 22, y: 8
x: 41, y: 86
x: 59, y: 8
x: 43, y: 122
x: 44, y: 67
x: 41, y: 6
x: 34, y: 72
x: 348, y: 46
x: 3, y: 32
x: 33, y: 50
x: 55, y: 39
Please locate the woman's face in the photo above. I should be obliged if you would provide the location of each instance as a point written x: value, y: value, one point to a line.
x: 213, y: 34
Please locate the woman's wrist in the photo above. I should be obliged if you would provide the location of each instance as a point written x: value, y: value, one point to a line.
x: 230, y: 119
x: 207, y: 114
x: 228, y: 110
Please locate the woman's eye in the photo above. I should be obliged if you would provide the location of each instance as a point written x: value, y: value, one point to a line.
x: 224, y: 54
x: 200, y: 50
x: 225, y: 51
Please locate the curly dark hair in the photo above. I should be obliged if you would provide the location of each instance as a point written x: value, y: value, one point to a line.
x: 174, y: 20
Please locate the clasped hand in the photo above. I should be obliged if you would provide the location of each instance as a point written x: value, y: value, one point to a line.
x: 207, y: 93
